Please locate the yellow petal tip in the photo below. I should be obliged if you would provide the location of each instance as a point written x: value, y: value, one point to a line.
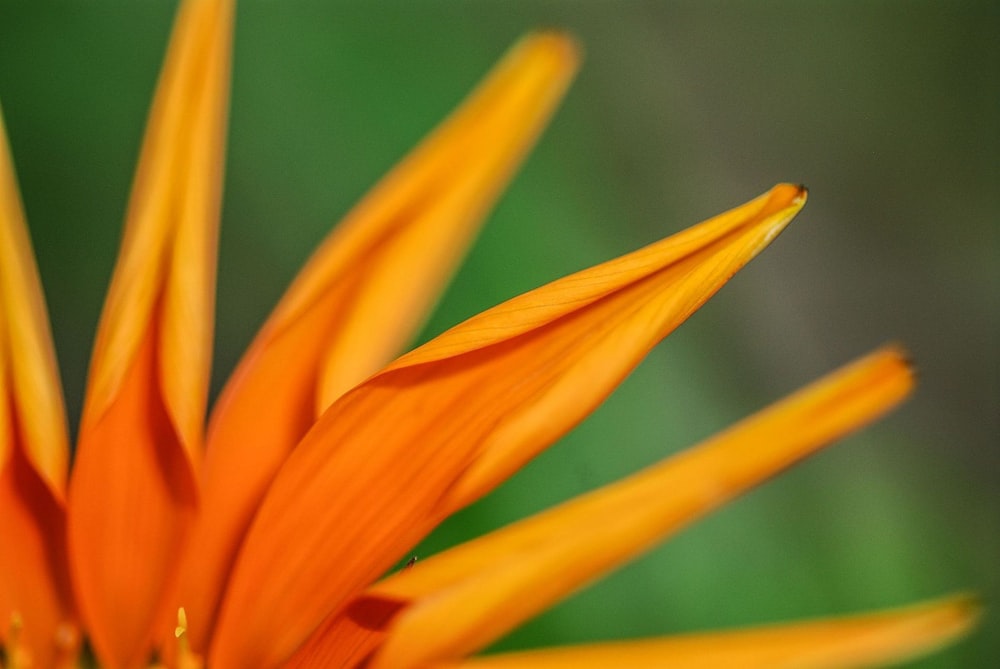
x: 803, y: 192
x: 790, y: 195
x: 902, y: 358
x: 966, y: 609
x: 898, y: 364
x: 557, y: 41
x: 554, y: 47
x: 946, y: 620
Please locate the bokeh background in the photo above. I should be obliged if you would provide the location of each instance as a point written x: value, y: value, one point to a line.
x: 889, y: 111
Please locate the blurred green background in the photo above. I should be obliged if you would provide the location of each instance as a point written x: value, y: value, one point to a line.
x: 889, y: 111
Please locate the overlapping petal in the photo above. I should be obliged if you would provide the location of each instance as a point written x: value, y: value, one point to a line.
x: 455, y: 603
x: 505, y: 578
x: 34, y: 586
x: 446, y: 423
x: 360, y: 298
x: 855, y: 642
x: 305, y: 531
x: 133, y: 488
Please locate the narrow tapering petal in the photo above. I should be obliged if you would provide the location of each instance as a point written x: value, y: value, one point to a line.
x: 361, y: 297
x: 493, y: 584
x: 445, y: 424
x: 34, y: 585
x: 452, y: 604
x: 133, y: 485
x: 35, y: 393
x: 855, y: 642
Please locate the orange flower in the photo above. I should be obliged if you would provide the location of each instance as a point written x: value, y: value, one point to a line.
x: 267, y: 536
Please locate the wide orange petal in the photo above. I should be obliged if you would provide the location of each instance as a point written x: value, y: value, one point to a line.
x: 34, y: 585
x: 446, y: 423
x: 454, y: 603
x: 855, y: 642
x: 133, y: 488
x: 361, y: 297
x: 493, y: 584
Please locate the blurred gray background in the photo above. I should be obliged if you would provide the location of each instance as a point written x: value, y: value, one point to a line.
x: 888, y: 111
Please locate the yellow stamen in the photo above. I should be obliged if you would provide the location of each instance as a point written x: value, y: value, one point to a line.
x: 186, y: 659
x: 182, y: 623
x: 18, y: 656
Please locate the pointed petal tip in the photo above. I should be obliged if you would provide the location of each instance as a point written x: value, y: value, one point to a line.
x: 966, y: 608
x: 789, y: 195
x: 898, y: 364
x: 902, y: 358
x: 777, y: 208
x: 552, y: 54
x: 948, y: 619
x: 785, y: 200
x: 559, y: 44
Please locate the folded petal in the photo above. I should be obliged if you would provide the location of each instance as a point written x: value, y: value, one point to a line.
x: 34, y: 585
x: 443, y: 425
x: 133, y: 486
x: 361, y: 297
x: 454, y: 603
x: 856, y: 642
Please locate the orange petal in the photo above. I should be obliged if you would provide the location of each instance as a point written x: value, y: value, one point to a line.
x: 361, y: 297
x: 133, y: 486
x: 34, y: 584
x: 34, y: 392
x: 489, y: 586
x: 456, y: 602
x: 855, y: 642
x: 444, y: 424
